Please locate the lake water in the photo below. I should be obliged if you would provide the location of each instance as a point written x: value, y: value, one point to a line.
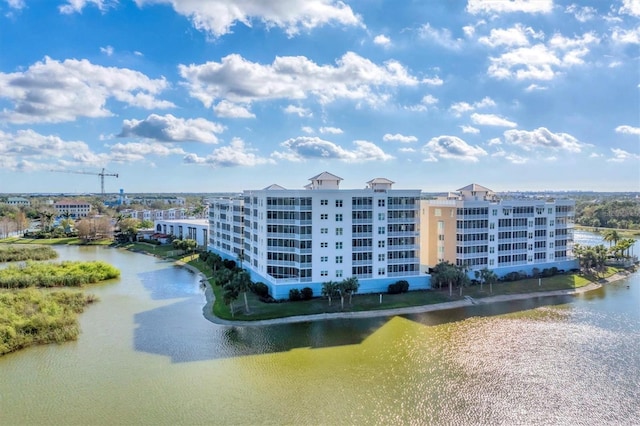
x: 147, y: 355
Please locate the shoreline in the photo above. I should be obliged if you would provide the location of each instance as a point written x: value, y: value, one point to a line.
x: 207, y: 309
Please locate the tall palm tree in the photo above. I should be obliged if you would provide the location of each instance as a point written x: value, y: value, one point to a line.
x: 242, y: 281
x: 611, y: 236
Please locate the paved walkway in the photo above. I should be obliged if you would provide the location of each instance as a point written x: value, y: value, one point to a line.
x: 207, y: 310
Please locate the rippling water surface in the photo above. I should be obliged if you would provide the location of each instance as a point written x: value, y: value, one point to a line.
x: 147, y: 355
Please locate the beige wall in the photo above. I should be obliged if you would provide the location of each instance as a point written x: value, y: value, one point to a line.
x: 430, y: 215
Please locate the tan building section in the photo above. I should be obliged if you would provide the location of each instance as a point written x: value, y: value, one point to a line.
x: 437, y: 233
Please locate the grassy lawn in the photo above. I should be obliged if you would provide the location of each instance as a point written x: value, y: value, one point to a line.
x: 367, y: 302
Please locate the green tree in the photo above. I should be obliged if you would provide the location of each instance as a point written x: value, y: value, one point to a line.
x: 229, y: 295
x: 329, y: 289
x: 351, y: 287
x: 611, y: 236
x: 242, y: 283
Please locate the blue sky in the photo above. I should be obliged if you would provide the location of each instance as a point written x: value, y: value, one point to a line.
x: 211, y: 96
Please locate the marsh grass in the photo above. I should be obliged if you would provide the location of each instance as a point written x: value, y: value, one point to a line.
x: 63, y: 274
x: 31, y: 317
x: 17, y: 253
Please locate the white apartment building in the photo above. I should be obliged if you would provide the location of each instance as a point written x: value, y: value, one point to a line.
x: 473, y: 227
x: 191, y: 229
x: 18, y: 201
x: 301, y: 238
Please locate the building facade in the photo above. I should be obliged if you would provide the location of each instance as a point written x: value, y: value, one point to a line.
x: 18, y: 201
x: 75, y: 208
x: 476, y: 229
x: 185, y: 229
x: 290, y: 239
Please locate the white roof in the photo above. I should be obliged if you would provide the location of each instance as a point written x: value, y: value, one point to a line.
x: 326, y: 176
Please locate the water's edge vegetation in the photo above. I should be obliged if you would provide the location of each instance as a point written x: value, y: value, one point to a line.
x: 17, y: 253
x: 32, y: 314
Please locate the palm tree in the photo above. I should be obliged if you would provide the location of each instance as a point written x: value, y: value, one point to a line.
x: 612, y: 236
x: 242, y: 281
x: 352, y: 286
x: 230, y: 294
x: 329, y: 289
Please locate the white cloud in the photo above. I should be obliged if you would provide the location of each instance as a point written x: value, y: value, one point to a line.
x: 140, y: 151
x: 16, y: 4
x: 29, y: 150
x: 441, y: 37
x: 107, y: 50
x: 507, y: 6
x: 382, y: 40
x: 429, y: 100
x: 172, y: 129
x: 517, y: 35
x: 306, y: 147
x: 469, y: 129
x: 217, y: 17
x: 299, y: 111
x: 388, y: 137
x: 307, y: 129
x: 510, y: 157
x: 460, y: 108
x: 620, y: 155
x: 406, y: 150
x: 630, y: 7
x: 294, y: 77
x: 494, y: 141
x: 434, y: 81
x: 626, y: 36
x: 542, y: 62
x: 424, y: 104
x: 331, y: 130
x: 235, y: 154
x: 452, y: 147
x: 542, y: 138
x: 628, y: 130
x: 582, y: 14
x: 230, y: 110
x: 491, y: 120
x: 76, y: 6
x: 53, y: 91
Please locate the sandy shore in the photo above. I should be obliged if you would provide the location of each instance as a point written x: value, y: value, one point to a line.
x: 208, y: 311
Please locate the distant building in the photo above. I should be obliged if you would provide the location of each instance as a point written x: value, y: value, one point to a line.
x: 75, y: 208
x: 185, y: 229
x: 291, y: 239
x: 18, y: 201
x: 473, y: 227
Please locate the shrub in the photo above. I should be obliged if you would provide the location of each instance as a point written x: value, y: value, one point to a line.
x: 307, y: 293
x: 294, y: 295
x: 229, y: 264
x: 401, y: 286
x: 260, y: 289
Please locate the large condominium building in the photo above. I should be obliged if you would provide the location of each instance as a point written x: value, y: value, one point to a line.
x: 290, y: 239
x: 474, y: 228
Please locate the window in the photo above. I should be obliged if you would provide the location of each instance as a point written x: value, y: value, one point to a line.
x: 338, y: 231
x: 339, y: 217
x: 324, y: 258
x: 324, y: 216
x: 324, y: 273
x: 381, y: 230
x: 491, y: 249
x: 338, y: 245
x: 324, y: 202
x: 440, y: 226
x: 380, y: 216
x: 339, y: 273
x: 381, y: 271
x: 441, y: 237
x: 490, y: 262
x: 494, y: 212
x: 438, y: 212
x: 492, y: 237
x: 324, y: 230
x: 550, y: 210
x: 324, y: 245
x: 380, y: 203
x: 381, y: 257
x: 381, y: 244
x: 338, y: 203
x: 492, y: 225
x: 338, y: 259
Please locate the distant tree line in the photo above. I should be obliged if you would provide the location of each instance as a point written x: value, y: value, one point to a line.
x: 621, y: 214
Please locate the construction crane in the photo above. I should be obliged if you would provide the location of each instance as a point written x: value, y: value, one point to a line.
x: 102, y: 174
